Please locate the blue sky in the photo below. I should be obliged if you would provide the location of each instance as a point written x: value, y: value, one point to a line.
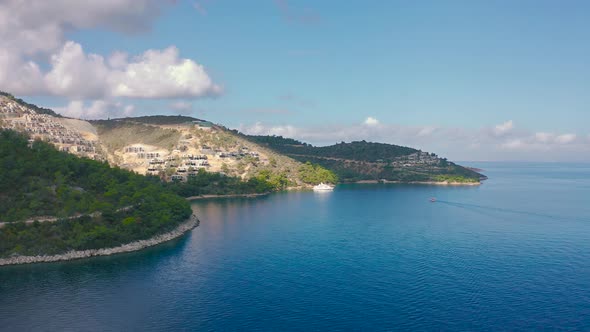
x: 455, y: 70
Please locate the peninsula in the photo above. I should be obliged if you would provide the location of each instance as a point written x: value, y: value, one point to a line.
x: 71, y: 188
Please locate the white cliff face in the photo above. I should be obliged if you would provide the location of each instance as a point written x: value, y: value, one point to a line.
x: 133, y: 246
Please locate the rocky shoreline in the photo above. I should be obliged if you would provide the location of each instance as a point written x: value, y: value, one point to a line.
x: 432, y: 183
x: 194, y: 198
x: 129, y: 247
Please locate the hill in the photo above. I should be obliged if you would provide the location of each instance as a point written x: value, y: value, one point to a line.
x: 178, y: 148
x: 367, y: 161
x: 174, y: 148
x: 35, y: 108
x: 53, y: 202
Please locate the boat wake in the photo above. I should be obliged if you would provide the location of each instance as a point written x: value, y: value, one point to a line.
x: 482, y: 208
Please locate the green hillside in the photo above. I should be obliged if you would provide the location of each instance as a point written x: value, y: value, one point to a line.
x: 96, y: 206
x: 357, y: 161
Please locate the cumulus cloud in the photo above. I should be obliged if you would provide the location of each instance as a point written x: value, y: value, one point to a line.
x: 98, y: 109
x: 503, y: 128
x: 19, y: 76
x: 455, y: 143
x: 565, y: 138
x: 31, y: 26
x: 370, y: 121
x: 75, y: 74
x: 162, y: 74
x: 32, y: 37
x: 153, y: 74
x: 330, y: 134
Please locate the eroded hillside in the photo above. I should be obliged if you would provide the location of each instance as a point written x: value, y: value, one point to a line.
x: 171, y: 147
x: 175, y: 147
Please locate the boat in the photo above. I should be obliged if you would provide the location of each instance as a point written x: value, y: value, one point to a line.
x: 432, y: 200
x: 323, y: 187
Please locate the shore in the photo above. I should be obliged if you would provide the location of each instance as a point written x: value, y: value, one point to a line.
x: 129, y: 247
x: 432, y: 183
x: 193, y: 198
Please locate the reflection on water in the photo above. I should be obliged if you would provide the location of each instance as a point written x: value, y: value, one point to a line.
x: 362, y: 257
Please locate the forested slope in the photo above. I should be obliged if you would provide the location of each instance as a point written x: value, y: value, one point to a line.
x: 356, y: 161
x: 109, y: 206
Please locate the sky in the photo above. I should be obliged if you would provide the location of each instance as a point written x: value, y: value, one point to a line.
x: 469, y: 80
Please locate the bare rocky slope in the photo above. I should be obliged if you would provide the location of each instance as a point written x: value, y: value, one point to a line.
x: 171, y: 147
x: 175, y: 147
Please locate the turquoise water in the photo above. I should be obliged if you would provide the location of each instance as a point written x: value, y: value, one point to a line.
x: 512, y: 254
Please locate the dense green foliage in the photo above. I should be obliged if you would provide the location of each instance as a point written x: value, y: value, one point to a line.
x: 274, y: 141
x: 209, y: 183
x: 99, y: 206
x: 35, y: 108
x: 362, y: 160
x: 362, y: 151
x: 316, y: 174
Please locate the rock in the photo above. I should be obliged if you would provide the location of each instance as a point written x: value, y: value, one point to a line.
x: 133, y: 246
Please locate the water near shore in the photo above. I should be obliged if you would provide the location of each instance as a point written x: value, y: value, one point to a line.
x: 513, y: 253
x: 179, y: 231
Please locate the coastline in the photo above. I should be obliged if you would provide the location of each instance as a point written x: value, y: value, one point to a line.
x: 432, y: 183
x: 182, y: 229
x: 194, y: 198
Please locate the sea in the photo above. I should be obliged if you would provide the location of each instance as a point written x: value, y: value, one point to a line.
x: 512, y: 254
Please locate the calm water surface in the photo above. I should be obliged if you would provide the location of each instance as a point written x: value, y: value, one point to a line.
x: 511, y: 254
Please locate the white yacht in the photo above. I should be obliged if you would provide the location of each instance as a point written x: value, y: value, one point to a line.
x: 323, y: 187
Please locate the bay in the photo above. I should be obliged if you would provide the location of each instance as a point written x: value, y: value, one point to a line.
x: 511, y: 254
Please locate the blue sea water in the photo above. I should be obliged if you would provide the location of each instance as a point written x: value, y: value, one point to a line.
x: 512, y: 254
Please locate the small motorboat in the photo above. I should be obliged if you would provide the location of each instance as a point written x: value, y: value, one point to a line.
x: 432, y: 200
x: 323, y: 187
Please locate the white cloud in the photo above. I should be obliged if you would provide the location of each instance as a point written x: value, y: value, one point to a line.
x: 118, y: 60
x: 427, y: 131
x: 565, y: 138
x: 370, y: 121
x: 455, y: 143
x: 18, y: 76
x: 31, y: 26
x: 513, y: 144
x: 542, y: 137
x: 77, y: 75
x: 550, y: 138
x: 32, y: 37
x: 98, y: 109
x: 503, y: 128
x: 162, y: 74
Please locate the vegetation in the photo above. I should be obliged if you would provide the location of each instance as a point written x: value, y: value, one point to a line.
x: 159, y: 119
x: 454, y: 179
x: 362, y: 151
x: 316, y: 174
x: 116, y: 134
x: 363, y: 160
x: 208, y: 183
x: 98, y: 206
x: 35, y: 108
